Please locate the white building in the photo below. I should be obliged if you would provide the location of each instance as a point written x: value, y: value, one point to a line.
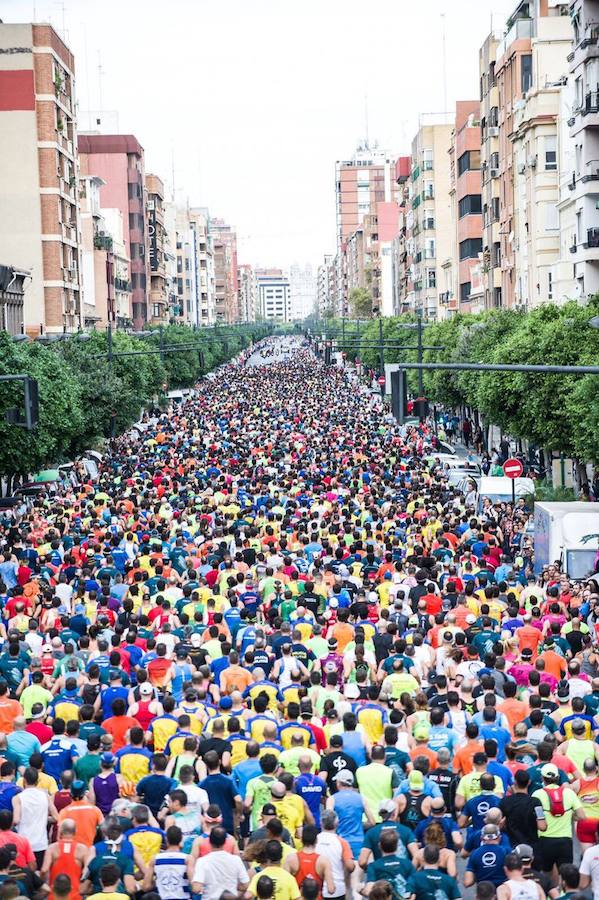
x: 247, y: 292
x: 324, y: 285
x: 274, y: 296
x: 584, y: 131
x: 302, y: 286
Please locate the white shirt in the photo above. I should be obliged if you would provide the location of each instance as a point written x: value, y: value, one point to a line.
x: 219, y: 871
x: 590, y: 866
x: 34, y: 817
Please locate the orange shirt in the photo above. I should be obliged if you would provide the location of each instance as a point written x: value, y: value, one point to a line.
x: 421, y: 750
x: 235, y: 678
x: 344, y: 634
x: 118, y: 726
x: 514, y: 711
x: 462, y: 761
x: 9, y: 709
x: 554, y: 664
x: 529, y: 638
x: 86, y: 817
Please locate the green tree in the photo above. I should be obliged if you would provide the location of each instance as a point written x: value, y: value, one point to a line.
x: 360, y: 300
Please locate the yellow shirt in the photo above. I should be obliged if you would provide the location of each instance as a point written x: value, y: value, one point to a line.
x: 45, y: 782
x: 285, y: 884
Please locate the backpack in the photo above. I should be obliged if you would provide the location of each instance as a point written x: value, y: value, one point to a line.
x: 556, y: 800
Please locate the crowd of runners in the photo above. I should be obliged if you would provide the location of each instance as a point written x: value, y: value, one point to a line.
x: 270, y: 652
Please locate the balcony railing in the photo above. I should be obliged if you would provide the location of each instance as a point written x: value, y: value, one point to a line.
x: 592, y: 237
x: 591, y: 102
x: 415, y: 173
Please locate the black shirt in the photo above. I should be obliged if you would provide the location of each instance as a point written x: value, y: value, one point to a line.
x: 334, y: 762
x: 520, y: 819
x: 214, y: 743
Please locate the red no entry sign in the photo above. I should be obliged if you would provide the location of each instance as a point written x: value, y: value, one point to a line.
x: 513, y: 468
x: 381, y: 380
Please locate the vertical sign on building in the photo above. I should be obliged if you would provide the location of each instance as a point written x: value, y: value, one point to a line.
x: 152, y: 235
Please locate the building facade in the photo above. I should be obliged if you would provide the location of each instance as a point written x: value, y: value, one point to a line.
x: 274, y: 295
x: 465, y: 191
x: 118, y: 159
x: 489, y: 163
x: 360, y: 182
x: 302, y: 286
x: 12, y: 292
x: 584, y: 133
x: 226, y: 293
x: 323, y: 285
x: 158, y: 294
x: 428, y: 219
x: 247, y: 293
x: 39, y: 225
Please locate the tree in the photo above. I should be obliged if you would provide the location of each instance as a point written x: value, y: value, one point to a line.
x: 361, y: 302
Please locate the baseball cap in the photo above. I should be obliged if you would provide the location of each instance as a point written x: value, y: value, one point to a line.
x: 524, y: 852
x: 344, y: 777
x: 549, y: 771
x: 146, y: 689
x: 416, y: 780
x: 78, y: 789
x: 336, y: 740
x: 489, y: 833
x: 107, y: 758
x: 269, y: 810
x: 332, y: 642
x: 387, y: 806
x: 225, y: 703
x: 421, y: 732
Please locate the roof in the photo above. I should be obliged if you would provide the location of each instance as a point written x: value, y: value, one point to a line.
x: 109, y: 143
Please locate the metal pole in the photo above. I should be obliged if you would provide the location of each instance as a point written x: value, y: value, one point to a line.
x: 161, y: 330
x: 109, y: 341
x: 381, y: 355
x: 420, y: 374
x: 502, y: 367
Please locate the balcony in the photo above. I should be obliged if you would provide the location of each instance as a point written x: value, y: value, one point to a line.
x: 591, y: 102
x: 445, y: 297
x: 429, y: 225
x: 102, y: 241
x: 416, y: 201
x: 428, y: 195
x: 121, y: 284
x: 415, y: 173
x: 592, y: 240
x: 522, y: 29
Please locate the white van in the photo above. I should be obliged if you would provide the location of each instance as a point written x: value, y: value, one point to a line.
x: 499, y: 490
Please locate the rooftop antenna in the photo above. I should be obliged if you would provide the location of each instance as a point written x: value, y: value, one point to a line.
x: 444, y: 58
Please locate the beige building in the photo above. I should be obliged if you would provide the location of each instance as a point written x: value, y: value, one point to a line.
x: 39, y: 208
x: 536, y: 165
x: 428, y: 221
x: 584, y: 133
x: 158, y: 305
x: 489, y: 164
x: 247, y: 293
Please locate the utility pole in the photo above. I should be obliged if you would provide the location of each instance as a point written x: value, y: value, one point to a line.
x: 161, y: 331
x: 420, y: 375
x: 109, y: 342
x: 381, y: 354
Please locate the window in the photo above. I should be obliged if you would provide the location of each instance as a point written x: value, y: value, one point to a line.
x: 465, y: 292
x: 469, y: 161
x: 470, y: 248
x: 551, y: 153
x: 431, y: 278
x: 549, y: 285
x: 429, y: 248
x: 495, y: 209
x: 427, y: 160
x: 469, y: 205
x: 497, y: 255
x: 179, y: 286
x: 526, y: 72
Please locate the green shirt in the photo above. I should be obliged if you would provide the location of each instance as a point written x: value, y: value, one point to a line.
x: 87, y: 767
x: 558, y: 826
x: 35, y: 693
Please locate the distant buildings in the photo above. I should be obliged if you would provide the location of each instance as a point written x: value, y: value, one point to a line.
x: 302, y: 288
x: 274, y: 295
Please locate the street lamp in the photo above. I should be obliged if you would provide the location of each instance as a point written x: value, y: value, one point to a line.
x: 594, y: 322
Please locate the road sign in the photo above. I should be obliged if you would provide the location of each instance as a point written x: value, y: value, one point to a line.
x: 513, y: 468
x: 381, y: 380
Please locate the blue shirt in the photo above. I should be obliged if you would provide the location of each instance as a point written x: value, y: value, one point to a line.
x: 312, y: 789
x: 486, y: 863
x: 478, y: 807
x: 58, y: 757
x: 349, y: 807
x: 221, y: 791
x: 243, y: 772
x: 498, y: 734
x: 20, y: 746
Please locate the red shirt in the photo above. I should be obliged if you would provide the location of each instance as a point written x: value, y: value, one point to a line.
x: 24, y: 852
x: 42, y: 732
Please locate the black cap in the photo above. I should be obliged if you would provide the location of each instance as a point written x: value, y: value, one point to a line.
x: 269, y: 810
x: 336, y: 740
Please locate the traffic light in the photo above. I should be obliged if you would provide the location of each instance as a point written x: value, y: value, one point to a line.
x: 30, y: 403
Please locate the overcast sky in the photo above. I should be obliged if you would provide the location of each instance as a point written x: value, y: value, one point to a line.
x: 256, y: 99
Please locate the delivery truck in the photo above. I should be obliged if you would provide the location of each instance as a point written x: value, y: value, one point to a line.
x: 568, y: 533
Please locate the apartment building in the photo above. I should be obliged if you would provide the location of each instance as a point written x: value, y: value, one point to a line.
x: 12, y: 291
x: 584, y: 132
x: 274, y: 296
x: 536, y: 174
x: 428, y: 220
x: 158, y: 296
x: 226, y: 299
x: 399, y: 246
x: 360, y: 182
x: 489, y: 164
x: 247, y: 293
x: 302, y: 291
x: 39, y: 225
x: 118, y: 159
x: 462, y: 269
x: 323, y: 284
x: 170, y: 261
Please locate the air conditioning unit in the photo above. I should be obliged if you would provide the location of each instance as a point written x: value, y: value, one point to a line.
x: 532, y: 161
x: 521, y: 168
x: 494, y: 173
x: 493, y: 131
